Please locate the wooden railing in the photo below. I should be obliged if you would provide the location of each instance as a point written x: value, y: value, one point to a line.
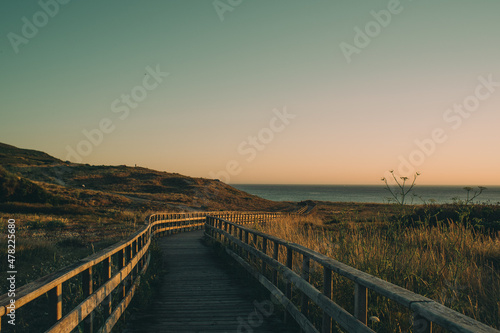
x: 302, y: 210
x: 258, y: 252
x: 119, y: 268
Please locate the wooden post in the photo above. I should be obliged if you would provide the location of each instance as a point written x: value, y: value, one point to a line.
x: 219, y: 235
x: 421, y: 324
x: 247, y: 255
x: 264, y: 250
x: 215, y: 224
x: 230, y: 233
x: 121, y: 264
x: 88, y: 286
x: 305, y: 276
x: 130, y: 256
x: 207, y: 229
x: 276, y: 248
x: 136, y: 250
x: 222, y: 227
x: 361, y: 303
x: 106, y: 274
x: 55, y: 303
x: 227, y: 230
x: 327, y: 291
x: 139, y: 264
x: 289, y: 264
x: 239, y: 234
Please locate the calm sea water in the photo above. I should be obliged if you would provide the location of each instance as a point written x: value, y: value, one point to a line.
x: 364, y: 193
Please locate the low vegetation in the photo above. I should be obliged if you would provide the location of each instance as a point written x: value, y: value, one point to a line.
x: 455, y: 262
x: 17, y: 189
x: 401, y: 188
x: 66, y: 211
x: 46, y: 243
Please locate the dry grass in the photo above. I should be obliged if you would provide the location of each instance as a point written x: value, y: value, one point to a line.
x: 46, y: 243
x: 452, y: 264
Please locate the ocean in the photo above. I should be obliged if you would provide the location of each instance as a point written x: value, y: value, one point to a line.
x: 365, y: 193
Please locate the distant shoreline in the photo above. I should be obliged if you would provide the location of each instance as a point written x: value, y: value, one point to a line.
x: 440, y: 194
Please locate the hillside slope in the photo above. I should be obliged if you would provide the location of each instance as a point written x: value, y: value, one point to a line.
x: 18, y: 189
x: 10, y: 155
x: 146, y: 187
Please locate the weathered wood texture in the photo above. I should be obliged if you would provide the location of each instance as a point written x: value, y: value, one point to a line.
x: 345, y: 319
x: 426, y: 311
x: 130, y: 255
x: 199, y: 294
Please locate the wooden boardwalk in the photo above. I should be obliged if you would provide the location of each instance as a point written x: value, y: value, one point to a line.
x: 200, y: 294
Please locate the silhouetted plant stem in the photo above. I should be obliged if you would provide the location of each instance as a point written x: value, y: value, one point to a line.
x: 400, y: 195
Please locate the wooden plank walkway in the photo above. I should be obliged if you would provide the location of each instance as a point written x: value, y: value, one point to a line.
x: 200, y: 294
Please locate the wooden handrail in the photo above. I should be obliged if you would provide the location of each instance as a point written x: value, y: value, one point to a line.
x: 425, y: 310
x: 132, y: 256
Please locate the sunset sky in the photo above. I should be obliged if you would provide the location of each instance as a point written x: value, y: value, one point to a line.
x: 258, y: 91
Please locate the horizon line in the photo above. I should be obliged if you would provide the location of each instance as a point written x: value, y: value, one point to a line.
x: 372, y: 184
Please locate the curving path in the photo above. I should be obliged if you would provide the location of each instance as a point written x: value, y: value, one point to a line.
x: 199, y: 294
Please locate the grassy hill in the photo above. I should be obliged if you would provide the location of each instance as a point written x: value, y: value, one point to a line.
x: 108, y: 186
x: 66, y: 211
x: 18, y: 189
x: 10, y: 155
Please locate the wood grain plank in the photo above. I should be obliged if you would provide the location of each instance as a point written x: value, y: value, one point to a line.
x: 198, y: 294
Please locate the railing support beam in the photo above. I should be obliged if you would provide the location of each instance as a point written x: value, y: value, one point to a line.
x: 55, y: 303
x: 327, y: 291
x: 264, y: 250
x: 106, y: 274
x: 421, y: 324
x: 288, y: 291
x: 88, y: 287
x: 361, y: 303
x: 276, y: 248
x: 305, y: 276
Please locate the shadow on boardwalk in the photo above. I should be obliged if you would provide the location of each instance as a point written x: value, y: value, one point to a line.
x: 200, y: 294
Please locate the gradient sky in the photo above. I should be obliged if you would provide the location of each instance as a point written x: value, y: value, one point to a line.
x: 227, y: 79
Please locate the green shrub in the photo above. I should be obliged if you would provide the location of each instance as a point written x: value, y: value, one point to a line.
x: 481, y: 216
